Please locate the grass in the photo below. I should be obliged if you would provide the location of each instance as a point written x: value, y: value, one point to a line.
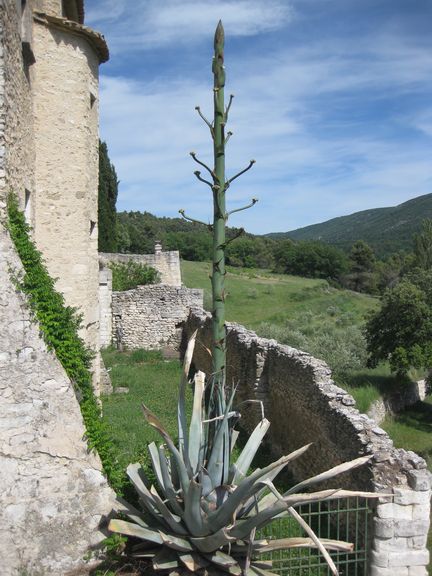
x: 257, y: 296
x: 151, y: 381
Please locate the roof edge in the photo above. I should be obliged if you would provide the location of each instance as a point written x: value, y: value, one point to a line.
x: 96, y: 40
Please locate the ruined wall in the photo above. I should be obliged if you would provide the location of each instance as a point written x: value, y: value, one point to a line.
x: 304, y: 405
x: 16, y: 116
x: 150, y: 316
x: 166, y: 263
x: 53, y: 494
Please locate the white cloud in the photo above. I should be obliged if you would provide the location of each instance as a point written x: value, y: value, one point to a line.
x: 152, y: 23
x: 312, y: 162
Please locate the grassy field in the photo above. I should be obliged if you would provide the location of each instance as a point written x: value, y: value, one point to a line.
x: 256, y: 296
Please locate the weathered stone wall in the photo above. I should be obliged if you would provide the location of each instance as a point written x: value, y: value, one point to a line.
x: 409, y: 394
x: 16, y: 116
x: 65, y: 101
x: 304, y: 405
x: 166, y: 263
x: 150, y: 316
x: 105, y: 307
x: 53, y: 494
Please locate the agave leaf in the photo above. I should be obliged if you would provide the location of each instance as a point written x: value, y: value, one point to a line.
x: 255, y: 569
x: 225, y: 562
x: 130, y: 529
x: 287, y: 543
x: 130, y: 511
x: 180, y: 465
x: 216, y: 463
x: 170, y: 492
x: 195, y: 430
x: 174, y: 522
x: 339, y: 469
x: 150, y: 553
x: 261, y: 499
x: 193, y: 561
x: 234, y: 436
x: 193, y: 514
x: 165, y: 559
x: 319, y: 544
x: 181, y: 406
x: 245, y: 459
x: 155, y: 458
x: 136, y: 475
x: 212, y: 542
x: 247, y: 488
x: 175, y: 542
x: 243, y: 528
x: 324, y: 495
x: 206, y: 482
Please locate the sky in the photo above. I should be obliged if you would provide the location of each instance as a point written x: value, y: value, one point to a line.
x: 333, y: 99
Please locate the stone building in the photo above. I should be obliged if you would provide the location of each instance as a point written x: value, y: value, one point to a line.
x: 49, y: 64
x: 53, y: 494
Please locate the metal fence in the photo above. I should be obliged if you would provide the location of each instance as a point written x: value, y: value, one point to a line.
x: 346, y: 520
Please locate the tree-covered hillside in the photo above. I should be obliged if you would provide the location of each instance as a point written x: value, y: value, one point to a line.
x: 386, y: 230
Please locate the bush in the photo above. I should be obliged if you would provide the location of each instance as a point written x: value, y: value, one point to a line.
x: 343, y: 349
x: 129, y: 275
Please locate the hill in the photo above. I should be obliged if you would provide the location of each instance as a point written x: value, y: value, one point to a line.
x: 386, y: 230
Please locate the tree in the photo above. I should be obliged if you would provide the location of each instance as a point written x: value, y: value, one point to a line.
x: 107, y: 198
x: 311, y: 259
x: 361, y: 277
x: 423, y: 246
x: 401, y: 330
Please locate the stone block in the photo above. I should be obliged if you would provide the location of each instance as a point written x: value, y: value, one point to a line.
x: 421, y: 511
x: 391, y: 545
x: 391, y: 510
x: 384, y: 527
x: 379, y: 571
x: 417, y: 571
x: 380, y: 559
x: 419, y: 480
x: 418, y: 542
x: 409, y: 558
x: 407, y: 529
x: 405, y: 497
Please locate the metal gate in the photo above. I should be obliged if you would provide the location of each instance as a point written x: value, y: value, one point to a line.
x: 346, y: 519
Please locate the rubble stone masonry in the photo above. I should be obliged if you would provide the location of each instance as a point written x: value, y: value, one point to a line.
x: 304, y: 405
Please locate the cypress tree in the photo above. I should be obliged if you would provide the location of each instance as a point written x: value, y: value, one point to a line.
x: 107, y: 198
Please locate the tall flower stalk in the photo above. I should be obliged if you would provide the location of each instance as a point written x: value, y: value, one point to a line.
x: 219, y: 184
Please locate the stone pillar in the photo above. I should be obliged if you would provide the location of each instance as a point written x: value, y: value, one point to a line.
x: 105, y: 309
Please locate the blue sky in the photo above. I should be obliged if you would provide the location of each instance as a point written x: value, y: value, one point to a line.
x: 333, y: 98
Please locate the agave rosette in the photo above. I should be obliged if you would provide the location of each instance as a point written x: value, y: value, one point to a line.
x: 207, y: 508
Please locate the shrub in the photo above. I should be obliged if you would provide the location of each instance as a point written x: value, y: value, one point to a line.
x: 129, y: 275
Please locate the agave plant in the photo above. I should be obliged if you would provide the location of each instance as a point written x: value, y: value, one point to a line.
x: 205, y: 512
x: 204, y: 515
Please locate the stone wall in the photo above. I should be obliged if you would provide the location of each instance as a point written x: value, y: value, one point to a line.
x: 151, y: 316
x: 65, y: 100
x: 53, y: 494
x: 105, y: 307
x: 304, y: 405
x: 16, y: 116
x: 166, y: 263
x: 409, y: 394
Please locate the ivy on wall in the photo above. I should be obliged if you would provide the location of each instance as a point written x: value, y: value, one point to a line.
x: 59, y: 325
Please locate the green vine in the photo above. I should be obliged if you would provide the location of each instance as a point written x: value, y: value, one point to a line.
x: 59, y: 325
